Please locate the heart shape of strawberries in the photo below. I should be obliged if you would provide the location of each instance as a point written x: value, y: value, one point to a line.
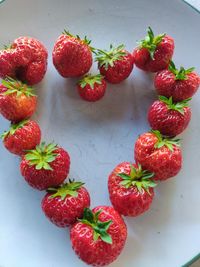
x: 97, y: 235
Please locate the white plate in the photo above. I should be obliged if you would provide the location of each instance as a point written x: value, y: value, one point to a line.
x: 99, y: 136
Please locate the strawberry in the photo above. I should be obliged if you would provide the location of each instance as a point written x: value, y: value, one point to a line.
x: 180, y: 84
x: 158, y: 154
x: 25, y: 59
x: 100, y: 236
x: 168, y: 117
x: 131, y: 189
x: 154, y: 52
x: 45, y: 166
x: 116, y: 64
x: 22, y: 136
x: 17, y: 100
x: 92, y: 87
x: 72, y: 56
x: 65, y: 204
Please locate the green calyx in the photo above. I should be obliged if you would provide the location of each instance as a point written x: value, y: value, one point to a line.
x: 138, y: 178
x: 90, y: 80
x: 85, y: 40
x: 107, y: 58
x: 165, y: 141
x: 179, y: 106
x: 151, y: 42
x: 15, y: 86
x: 67, y: 189
x: 13, y: 128
x: 41, y: 156
x: 100, y: 228
x: 7, y: 46
x: 180, y: 74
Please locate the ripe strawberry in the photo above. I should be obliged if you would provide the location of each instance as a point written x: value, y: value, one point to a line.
x: 65, y: 204
x: 22, y: 136
x: 169, y: 118
x: 17, y: 100
x: 92, y: 87
x: 25, y: 59
x: 180, y: 84
x: 72, y: 56
x: 100, y: 236
x: 116, y: 64
x: 154, y: 52
x: 131, y: 189
x: 45, y: 166
x: 158, y: 154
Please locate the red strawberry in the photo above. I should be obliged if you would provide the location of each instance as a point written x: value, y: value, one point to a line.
x: 45, y: 166
x: 17, y: 100
x: 25, y: 59
x: 116, y: 64
x: 131, y: 189
x: 169, y: 118
x: 22, y: 136
x: 72, y: 56
x: 92, y: 87
x: 65, y: 204
x: 158, y: 154
x: 100, y: 236
x: 154, y: 52
x: 180, y: 84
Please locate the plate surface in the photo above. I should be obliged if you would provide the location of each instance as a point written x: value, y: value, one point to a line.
x: 99, y: 136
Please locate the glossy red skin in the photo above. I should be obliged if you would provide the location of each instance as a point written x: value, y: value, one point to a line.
x: 16, y: 108
x: 162, y: 56
x: 180, y: 90
x: 71, y: 57
x: 25, y: 138
x: 169, y: 122
x: 163, y: 162
x: 92, y: 94
x: 120, y: 71
x: 127, y: 201
x: 99, y: 253
x: 43, y: 179
x: 26, y: 60
x: 65, y: 212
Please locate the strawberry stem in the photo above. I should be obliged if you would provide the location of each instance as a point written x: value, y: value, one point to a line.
x: 90, y: 80
x: 151, y: 41
x: 13, y: 128
x: 41, y: 156
x: 165, y: 141
x: 67, y: 189
x: 179, y: 106
x: 100, y: 228
x: 16, y: 86
x: 137, y: 177
x: 181, y: 74
x: 107, y: 58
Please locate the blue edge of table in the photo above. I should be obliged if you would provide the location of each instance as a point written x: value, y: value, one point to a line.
x: 195, y: 258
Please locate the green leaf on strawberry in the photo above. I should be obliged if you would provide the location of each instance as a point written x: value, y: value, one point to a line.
x: 16, y: 86
x: 13, y: 128
x: 138, y: 177
x: 100, y: 228
x: 151, y: 41
x: 107, y: 58
x: 85, y: 40
x: 179, y: 106
x: 90, y: 80
x: 41, y: 156
x: 165, y: 141
x: 67, y: 189
x: 180, y: 74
